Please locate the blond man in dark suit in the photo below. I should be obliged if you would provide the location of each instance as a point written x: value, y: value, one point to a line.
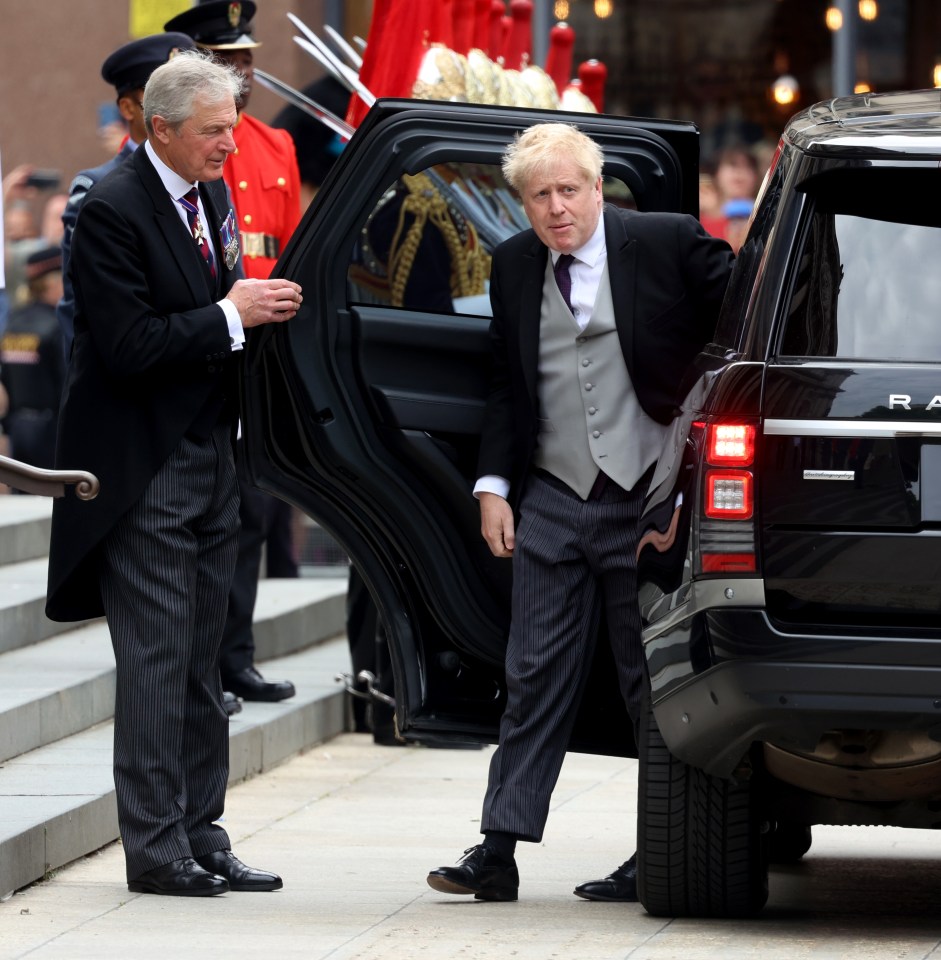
x: 597, y: 312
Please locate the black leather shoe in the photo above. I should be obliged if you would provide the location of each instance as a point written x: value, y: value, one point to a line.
x: 481, y: 872
x: 620, y: 886
x: 230, y: 703
x: 249, y: 684
x: 226, y: 864
x: 179, y: 878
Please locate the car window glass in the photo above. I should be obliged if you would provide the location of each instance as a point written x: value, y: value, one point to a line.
x: 747, y: 263
x: 866, y: 283
x: 426, y: 244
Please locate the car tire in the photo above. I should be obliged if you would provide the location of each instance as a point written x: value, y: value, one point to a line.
x: 788, y: 842
x: 700, y: 849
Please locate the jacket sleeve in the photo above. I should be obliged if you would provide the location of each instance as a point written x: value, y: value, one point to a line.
x: 707, y: 263
x: 498, y: 434
x: 65, y: 309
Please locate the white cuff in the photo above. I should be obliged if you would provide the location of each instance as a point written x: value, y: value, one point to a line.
x: 492, y: 484
x: 232, y: 318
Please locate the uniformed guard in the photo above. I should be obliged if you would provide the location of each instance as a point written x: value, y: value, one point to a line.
x: 264, y: 183
x: 32, y: 363
x: 262, y: 174
x: 127, y: 70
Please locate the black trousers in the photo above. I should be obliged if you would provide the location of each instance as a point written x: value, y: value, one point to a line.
x: 571, y: 556
x: 166, y: 570
x: 369, y: 650
x: 265, y: 521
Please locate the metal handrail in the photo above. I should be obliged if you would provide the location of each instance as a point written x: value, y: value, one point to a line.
x: 47, y: 483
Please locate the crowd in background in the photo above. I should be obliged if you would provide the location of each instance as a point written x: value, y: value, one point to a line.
x: 727, y: 191
x: 32, y: 354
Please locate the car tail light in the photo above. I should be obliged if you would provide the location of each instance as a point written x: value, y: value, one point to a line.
x: 726, y: 530
x: 728, y: 563
x: 729, y: 495
x: 730, y: 444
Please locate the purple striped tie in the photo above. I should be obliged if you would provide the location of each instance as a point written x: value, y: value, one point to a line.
x: 190, y: 205
x: 563, y: 278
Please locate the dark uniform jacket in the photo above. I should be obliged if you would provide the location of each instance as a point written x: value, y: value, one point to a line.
x: 32, y: 369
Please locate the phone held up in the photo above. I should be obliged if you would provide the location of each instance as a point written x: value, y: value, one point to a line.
x: 44, y: 179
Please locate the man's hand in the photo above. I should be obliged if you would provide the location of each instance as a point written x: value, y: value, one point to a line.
x: 496, y: 524
x: 15, y: 186
x: 265, y: 301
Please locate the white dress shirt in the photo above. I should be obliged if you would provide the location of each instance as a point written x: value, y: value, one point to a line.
x: 177, y: 187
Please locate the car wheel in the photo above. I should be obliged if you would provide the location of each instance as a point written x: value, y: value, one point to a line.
x: 788, y: 842
x: 700, y: 850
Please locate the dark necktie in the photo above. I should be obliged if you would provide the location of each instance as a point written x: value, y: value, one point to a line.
x: 190, y: 205
x: 563, y: 278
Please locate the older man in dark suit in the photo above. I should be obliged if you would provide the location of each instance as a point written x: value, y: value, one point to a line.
x: 597, y: 312
x: 150, y: 407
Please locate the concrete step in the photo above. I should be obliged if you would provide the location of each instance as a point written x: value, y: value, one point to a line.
x: 23, y: 618
x: 25, y: 523
x: 24, y: 528
x: 289, y: 614
x: 54, y: 689
x: 65, y: 684
x: 57, y: 802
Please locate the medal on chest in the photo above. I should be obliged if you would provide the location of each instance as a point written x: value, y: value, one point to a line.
x: 230, y: 241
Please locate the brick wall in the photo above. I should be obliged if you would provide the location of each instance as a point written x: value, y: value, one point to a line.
x: 51, y: 53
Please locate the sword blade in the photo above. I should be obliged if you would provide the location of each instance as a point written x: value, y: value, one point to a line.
x: 303, y: 102
x: 322, y: 53
x: 341, y: 71
x: 355, y: 59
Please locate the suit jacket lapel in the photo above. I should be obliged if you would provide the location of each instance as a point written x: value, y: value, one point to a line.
x: 534, y: 271
x: 217, y: 207
x: 622, y: 275
x: 168, y: 221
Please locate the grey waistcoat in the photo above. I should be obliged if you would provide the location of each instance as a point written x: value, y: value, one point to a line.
x: 590, y: 418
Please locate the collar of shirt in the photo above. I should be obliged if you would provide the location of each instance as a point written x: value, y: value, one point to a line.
x: 175, y: 185
x: 586, y: 271
x: 590, y: 252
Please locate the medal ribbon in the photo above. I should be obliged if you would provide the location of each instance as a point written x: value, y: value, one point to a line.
x: 189, y: 203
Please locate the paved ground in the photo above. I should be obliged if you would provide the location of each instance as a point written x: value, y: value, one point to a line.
x: 354, y: 828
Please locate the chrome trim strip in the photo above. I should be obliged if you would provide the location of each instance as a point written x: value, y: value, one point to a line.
x: 706, y: 595
x: 829, y: 474
x: 851, y: 428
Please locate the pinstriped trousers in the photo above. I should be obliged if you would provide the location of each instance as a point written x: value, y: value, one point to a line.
x: 166, y: 570
x: 571, y: 556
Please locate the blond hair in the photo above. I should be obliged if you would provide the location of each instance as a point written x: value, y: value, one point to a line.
x: 543, y: 145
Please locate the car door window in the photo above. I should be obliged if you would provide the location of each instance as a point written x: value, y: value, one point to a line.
x: 732, y: 325
x: 866, y: 283
x: 426, y: 244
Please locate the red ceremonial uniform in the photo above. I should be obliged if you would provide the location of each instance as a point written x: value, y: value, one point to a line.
x: 263, y: 179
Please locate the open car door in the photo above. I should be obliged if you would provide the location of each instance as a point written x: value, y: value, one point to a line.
x: 365, y: 410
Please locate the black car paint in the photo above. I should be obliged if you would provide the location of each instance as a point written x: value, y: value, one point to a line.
x: 841, y: 630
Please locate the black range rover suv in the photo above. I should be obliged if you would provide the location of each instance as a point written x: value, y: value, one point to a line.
x: 791, y: 553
